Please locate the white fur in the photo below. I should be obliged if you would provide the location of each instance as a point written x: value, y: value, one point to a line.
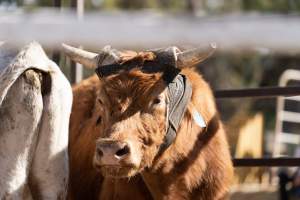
x: 34, y: 133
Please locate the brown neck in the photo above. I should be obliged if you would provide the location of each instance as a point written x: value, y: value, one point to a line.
x: 185, y: 169
x: 164, y: 178
x: 162, y: 187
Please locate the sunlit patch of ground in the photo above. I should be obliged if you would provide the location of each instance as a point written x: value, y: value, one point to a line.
x: 254, y: 192
x: 262, y: 195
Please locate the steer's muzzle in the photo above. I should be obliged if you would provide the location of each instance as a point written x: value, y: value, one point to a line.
x: 111, y: 152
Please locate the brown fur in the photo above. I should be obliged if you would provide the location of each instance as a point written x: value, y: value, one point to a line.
x: 84, y: 180
x: 196, y: 166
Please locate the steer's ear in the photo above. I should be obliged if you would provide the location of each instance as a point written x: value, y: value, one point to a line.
x: 192, y: 57
x: 92, y: 60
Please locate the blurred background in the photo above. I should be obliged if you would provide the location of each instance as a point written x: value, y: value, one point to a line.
x: 258, y: 47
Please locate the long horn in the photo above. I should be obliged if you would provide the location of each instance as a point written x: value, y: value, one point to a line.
x: 85, y: 58
x: 194, y: 56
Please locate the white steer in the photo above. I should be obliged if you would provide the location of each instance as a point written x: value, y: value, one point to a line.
x: 35, y: 105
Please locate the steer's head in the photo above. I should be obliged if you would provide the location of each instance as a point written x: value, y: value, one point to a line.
x: 135, y: 100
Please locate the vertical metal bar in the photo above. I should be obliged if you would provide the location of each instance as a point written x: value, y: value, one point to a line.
x: 194, y: 7
x: 76, y: 69
x: 286, y: 76
x: 76, y: 72
x: 80, y: 9
x: 57, y: 3
x: 56, y: 54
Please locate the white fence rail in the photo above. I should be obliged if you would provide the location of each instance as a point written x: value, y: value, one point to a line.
x: 278, y: 33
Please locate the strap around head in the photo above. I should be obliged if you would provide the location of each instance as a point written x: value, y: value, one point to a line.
x: 179, y: 94
x: 165, y: 60
x: 167, y: 56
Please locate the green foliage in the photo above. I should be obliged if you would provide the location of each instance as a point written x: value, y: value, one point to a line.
x: 110, y: 4
x: 278, y: 6
x: 283, y: 6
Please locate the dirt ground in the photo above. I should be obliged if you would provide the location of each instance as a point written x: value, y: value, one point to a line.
x: 254, y: 192
x: 262, y: 195
x: 257, y: 193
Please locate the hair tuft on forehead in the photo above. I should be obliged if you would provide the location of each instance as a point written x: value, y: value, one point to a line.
x: 127, y: 56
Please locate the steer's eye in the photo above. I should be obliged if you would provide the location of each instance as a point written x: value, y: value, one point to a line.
x: 156, y: 101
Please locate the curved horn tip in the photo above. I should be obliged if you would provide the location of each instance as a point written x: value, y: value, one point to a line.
x: 83, y: 57
x: 195, y: 56
x: 213, y: 45
x: 66, y: 46
x: 107, y: 48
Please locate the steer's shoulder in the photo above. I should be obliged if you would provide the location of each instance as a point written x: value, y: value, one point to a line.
x: 84, y: 96
x: 202, y: 96
x: 199, y: 84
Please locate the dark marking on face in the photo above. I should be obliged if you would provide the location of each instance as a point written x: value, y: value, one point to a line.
x: 156, y: 101
x: 99, y: 120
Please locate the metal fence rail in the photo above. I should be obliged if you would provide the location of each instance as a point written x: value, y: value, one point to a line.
x: 266, y: 162
x: 265, y: 92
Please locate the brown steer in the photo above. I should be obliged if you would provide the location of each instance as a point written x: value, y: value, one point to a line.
x: 147, y: 128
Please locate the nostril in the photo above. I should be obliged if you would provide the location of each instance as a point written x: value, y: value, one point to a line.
x: 123, y: 151
x: 99, y: 152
